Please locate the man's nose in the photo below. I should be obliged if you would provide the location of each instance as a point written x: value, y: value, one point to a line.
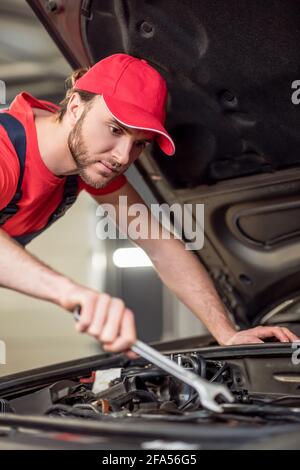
x: 122, y: 152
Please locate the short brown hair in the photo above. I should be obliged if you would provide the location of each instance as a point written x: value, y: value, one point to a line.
x: 86, y: 96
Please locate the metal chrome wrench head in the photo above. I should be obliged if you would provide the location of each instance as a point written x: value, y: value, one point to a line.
x: 208, y: 392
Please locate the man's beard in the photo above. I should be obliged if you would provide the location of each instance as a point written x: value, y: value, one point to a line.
x: 79, y: 153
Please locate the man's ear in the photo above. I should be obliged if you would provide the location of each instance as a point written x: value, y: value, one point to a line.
x: 74, y: 108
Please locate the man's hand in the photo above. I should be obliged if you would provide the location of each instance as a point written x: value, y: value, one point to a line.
x: 259, y: 333
x: 103, y: 317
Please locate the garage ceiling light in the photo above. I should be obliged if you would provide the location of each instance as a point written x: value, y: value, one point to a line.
x: 131, y: 258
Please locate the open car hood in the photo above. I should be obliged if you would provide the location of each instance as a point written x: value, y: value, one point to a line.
x: 231, y: 69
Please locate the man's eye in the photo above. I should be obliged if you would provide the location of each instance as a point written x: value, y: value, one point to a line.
x: 115, y: 130
x: 142, y: 145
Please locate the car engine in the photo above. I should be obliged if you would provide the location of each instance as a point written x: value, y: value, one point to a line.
x: 141, y: 390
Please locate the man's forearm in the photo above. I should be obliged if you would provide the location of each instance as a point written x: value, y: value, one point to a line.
x: 21, y: 271
x: 102, y: 317
x: 180, y: 270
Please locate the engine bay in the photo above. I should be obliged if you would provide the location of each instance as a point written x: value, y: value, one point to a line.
x: 265, y: 391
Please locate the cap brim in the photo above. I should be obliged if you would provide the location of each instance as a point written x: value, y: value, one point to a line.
x: 132, y: 116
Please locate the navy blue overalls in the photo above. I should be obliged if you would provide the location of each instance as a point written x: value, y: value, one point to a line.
x: 16, y: 133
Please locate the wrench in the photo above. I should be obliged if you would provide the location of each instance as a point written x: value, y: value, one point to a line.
x: 207, y: 391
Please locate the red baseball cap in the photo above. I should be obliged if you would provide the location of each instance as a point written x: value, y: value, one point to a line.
x: 133, y: 91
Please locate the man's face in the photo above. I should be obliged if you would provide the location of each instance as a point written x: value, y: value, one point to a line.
x: 101, y: 147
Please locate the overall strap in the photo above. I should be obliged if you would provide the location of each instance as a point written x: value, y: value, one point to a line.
x: 17, y: 136
x: 16, y: 133
x: 69, y: 197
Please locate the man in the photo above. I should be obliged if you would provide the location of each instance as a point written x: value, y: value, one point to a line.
x: 49, y: 154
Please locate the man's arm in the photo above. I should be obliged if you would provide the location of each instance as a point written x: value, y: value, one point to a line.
x: 183, y: 273
x: 102, y: 316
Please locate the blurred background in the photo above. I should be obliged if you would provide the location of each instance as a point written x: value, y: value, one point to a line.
x: 38, y: 333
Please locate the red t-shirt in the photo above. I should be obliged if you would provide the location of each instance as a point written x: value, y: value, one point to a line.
x: 42, y: 191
